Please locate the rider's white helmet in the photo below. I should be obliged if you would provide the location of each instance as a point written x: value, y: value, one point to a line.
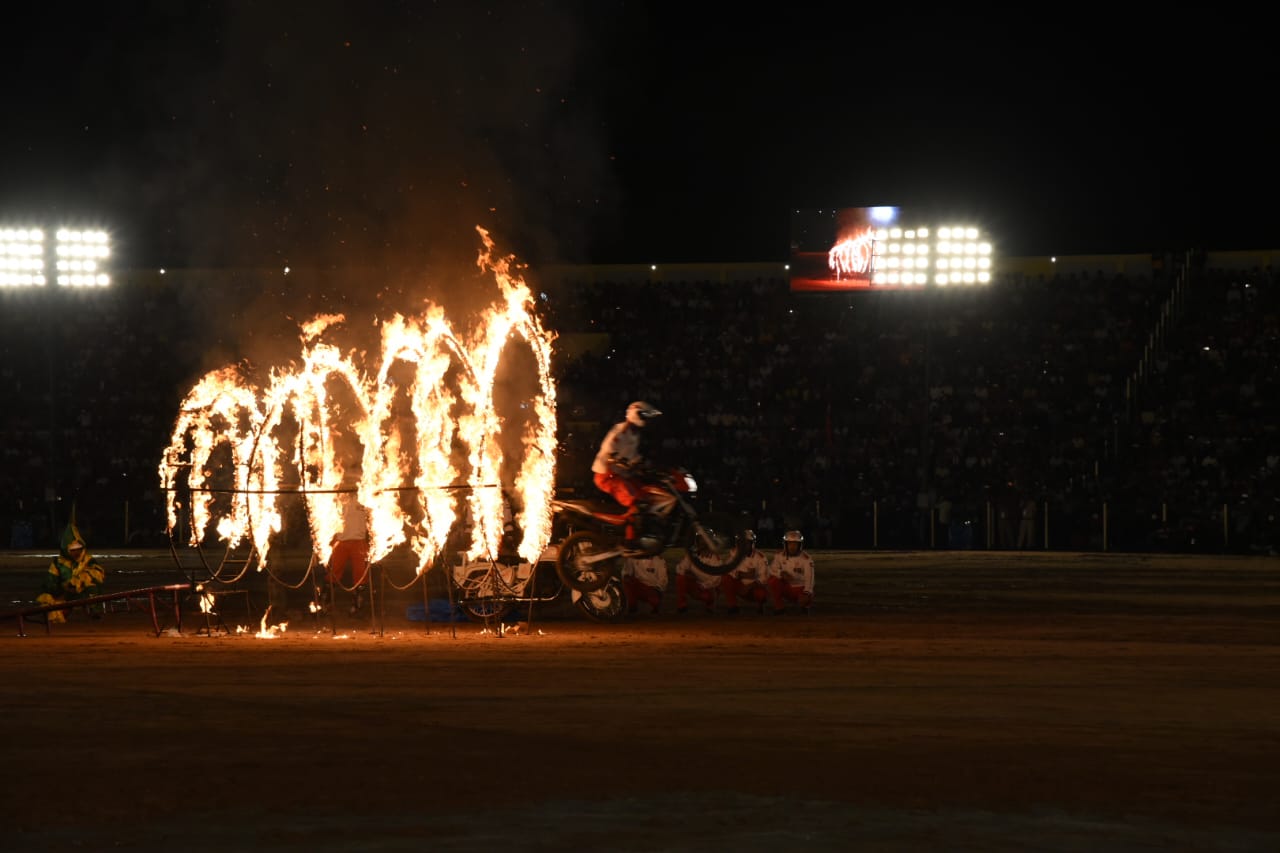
x: 639, y: 412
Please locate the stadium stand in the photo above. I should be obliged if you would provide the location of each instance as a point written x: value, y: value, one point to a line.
x: 1137, y: 409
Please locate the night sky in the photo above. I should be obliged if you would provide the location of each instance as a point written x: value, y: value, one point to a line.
x: 381, y: 134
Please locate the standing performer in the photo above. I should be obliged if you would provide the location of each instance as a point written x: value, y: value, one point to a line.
x: 350, y: 549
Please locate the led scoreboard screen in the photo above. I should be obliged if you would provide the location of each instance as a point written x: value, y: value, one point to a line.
x: 878, y: 248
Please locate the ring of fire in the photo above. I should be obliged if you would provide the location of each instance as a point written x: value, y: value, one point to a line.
x: 434, y: 436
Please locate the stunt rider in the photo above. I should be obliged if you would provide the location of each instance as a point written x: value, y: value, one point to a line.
x: 615, y: 467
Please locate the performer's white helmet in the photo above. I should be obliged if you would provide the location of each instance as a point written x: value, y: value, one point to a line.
x: 792, y: 542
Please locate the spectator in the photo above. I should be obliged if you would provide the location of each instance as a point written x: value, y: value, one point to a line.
x: 692, y: 582
x: 944, y: 522
x: 1007, y: 508
x: 1027, y: 524
x: 644, y: 580
x: 748, y: 580
x: 765, y: 525
x: 791, y: 574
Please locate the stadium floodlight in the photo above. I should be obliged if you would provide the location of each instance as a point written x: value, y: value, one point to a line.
x: 874, y: 248
x: 81, y: 255
x: 22, y: 257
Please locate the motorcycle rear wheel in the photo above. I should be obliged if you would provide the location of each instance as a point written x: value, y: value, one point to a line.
x: 574, y: 567
x: 727, y: 549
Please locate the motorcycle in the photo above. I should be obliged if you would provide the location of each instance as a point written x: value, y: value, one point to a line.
x: 489, y: 590
x: 591, y: 556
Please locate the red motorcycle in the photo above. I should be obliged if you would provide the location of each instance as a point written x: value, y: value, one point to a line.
x: 591, y: 554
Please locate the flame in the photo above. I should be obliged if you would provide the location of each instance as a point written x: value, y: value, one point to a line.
x: 270, y: 632
x: 241, y: 447
x: 221, y: 410
x: 852, y: 255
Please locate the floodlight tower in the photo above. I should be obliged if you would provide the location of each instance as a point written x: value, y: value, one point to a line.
x: 78, y: 258
x: 959, y: 256
x: 930, y: 258
x: 22, y: 262
x: 81, y: 257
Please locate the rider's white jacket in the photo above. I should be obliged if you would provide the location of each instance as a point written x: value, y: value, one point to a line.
x: 621, y: 442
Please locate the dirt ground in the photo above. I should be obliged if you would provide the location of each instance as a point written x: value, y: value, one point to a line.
x: 972, y: 701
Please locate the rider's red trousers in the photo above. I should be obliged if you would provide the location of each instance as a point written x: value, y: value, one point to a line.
x: 623, y: 490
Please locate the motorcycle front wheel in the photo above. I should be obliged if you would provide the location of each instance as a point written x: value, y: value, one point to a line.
x: 576, y: 567
x: 481, y: 593
x: 480, y: 610
x: 607, y: 604
x: 724, y: 546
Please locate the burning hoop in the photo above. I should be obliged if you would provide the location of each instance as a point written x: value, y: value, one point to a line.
x: 417, y: 435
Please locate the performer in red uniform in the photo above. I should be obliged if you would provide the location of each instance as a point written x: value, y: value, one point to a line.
x: 693, y: 582
x: 644, y: 579
x: 791, y: 574
x: 749, y: 580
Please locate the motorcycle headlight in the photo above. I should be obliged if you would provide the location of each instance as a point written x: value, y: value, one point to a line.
x: 690, y: 484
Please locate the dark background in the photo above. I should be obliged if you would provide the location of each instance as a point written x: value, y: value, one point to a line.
x: 250, y: 133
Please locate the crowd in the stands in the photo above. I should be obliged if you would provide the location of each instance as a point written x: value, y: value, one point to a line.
x: 1129, y: 412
